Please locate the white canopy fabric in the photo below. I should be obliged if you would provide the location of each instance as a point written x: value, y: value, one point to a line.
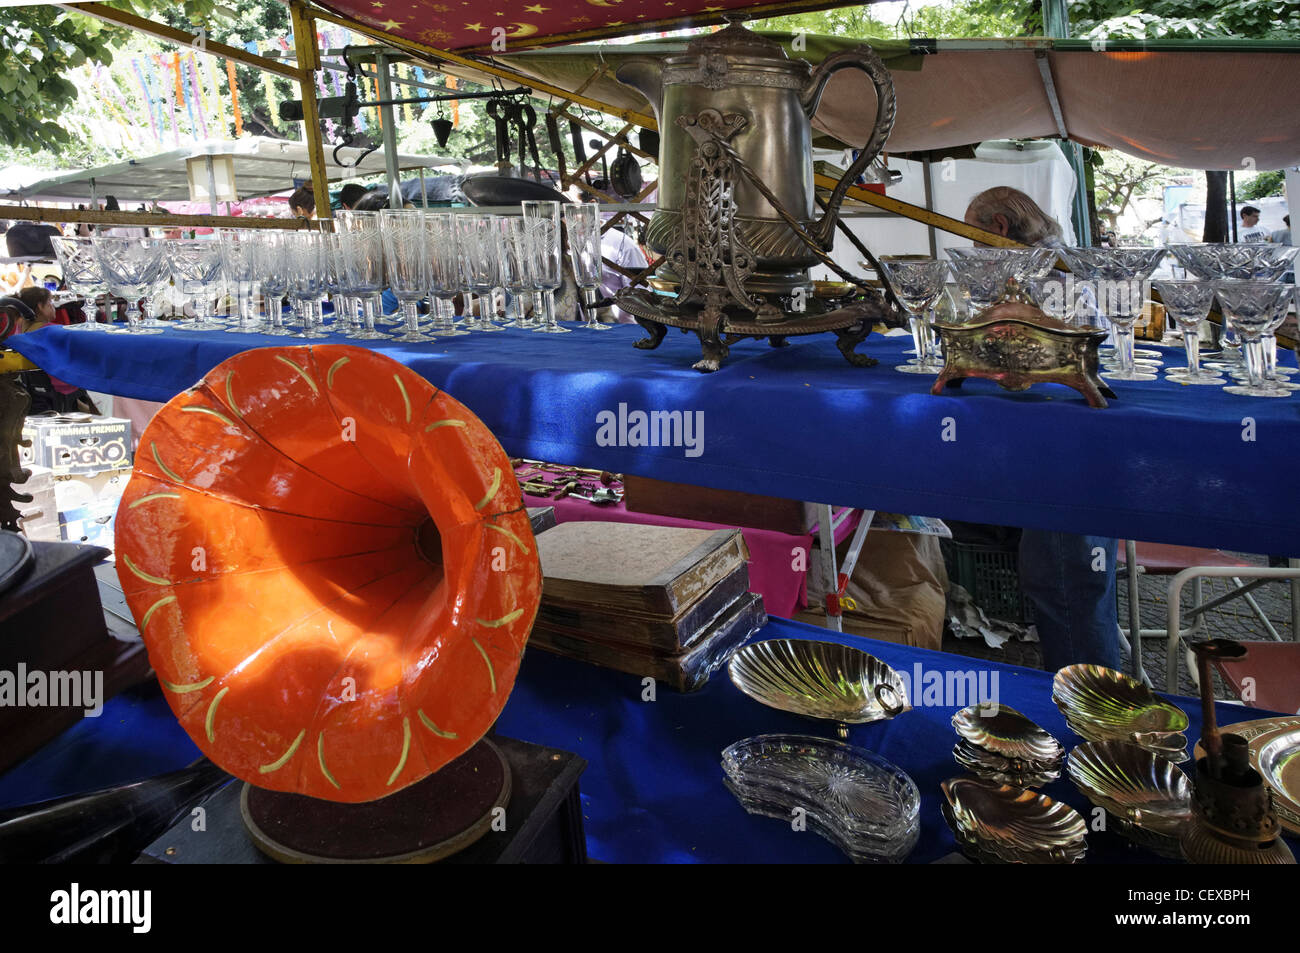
x: 1193, y: 104
x: 262, y: 166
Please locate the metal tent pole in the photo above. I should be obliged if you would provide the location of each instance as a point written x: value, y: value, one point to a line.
x: 388, y: 119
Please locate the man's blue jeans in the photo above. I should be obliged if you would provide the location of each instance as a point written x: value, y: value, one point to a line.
x: 1071, y: 582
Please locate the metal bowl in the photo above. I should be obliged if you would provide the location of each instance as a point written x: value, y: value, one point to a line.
x: 1101, y: 704
x: 1012, y: 825
x: 994, y: 767
x: 1135, y: 785
x: 819, y: 680
x: 1003, y: 731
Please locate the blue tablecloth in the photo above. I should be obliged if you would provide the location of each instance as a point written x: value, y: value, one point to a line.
x: 653, y: 787
x: 1164, y: 462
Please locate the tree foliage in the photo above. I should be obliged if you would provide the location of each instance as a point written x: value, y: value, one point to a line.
x: 38, y: 46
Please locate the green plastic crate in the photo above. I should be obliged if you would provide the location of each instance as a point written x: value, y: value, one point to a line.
x: 992, y: 576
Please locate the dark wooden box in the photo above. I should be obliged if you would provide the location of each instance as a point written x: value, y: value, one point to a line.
x: 543, y: 819
x: 728, y: 507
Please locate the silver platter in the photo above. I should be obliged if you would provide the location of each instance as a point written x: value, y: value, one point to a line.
x: 1003, y: 731
x: 1101, y: 704
x: 1006, y: 824
x: 1148, y: 794
x: 819, y: 680
x: 992, y: 767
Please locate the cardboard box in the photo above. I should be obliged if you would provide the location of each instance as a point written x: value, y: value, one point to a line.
x: 88, y: 506
x: 77, y: 443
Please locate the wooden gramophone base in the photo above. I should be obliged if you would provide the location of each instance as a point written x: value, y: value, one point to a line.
x: 432, y: 819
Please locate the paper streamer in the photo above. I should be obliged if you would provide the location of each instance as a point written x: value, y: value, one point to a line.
x: 455, y: 103
x: 234, y: 98
x: 148, y: 97
x: 169, y: 90
x: 193, y: 69
x: 210, y: 62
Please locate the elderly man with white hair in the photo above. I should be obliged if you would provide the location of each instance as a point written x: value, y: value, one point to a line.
x: 1069, y: 579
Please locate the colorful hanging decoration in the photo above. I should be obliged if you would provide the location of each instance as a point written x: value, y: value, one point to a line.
x: 148, y: 97
x: 361, y: 600
x: 219, y: 101
x: 234, y: 98
x: 193, y: 70
x: 455, y: 103
x: 169, y: 91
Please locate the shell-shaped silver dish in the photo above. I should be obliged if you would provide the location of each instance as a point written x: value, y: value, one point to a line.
x: 1136, y: 785
x: 1003, y: 731
x: 1011, y: 824
x: 854, y: 798
x: 819, y: 680
x: 992, y: 767
x: 1102, y: 704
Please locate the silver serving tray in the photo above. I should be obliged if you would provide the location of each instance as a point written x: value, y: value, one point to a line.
x: 817, y: 679
x: 1101, y: 704
x: 1011, y: 824
x: 1002, y: 730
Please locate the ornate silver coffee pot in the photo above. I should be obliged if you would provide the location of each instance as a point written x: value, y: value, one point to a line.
x: 736, y: 220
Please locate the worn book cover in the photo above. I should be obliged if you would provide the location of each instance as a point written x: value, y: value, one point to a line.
x: 652, y: 570
x: 650, y: 632
x: 686, y: 671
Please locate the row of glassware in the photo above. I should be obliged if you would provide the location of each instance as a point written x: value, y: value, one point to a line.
x: 1115, y: 283
x: 415, y: 253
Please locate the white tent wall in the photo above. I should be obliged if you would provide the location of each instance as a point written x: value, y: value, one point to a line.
x: 1038, y: 169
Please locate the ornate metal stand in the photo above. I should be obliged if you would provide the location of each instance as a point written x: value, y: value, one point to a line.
x: 1018, y: 345
x: 713, y: 262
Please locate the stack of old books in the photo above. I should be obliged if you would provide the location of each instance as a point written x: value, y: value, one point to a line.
x: 662, y: 601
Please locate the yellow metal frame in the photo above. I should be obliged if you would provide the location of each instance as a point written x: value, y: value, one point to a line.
x: 35, y: 213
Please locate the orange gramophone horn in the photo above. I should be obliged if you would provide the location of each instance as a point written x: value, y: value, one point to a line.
x: 332, y: 569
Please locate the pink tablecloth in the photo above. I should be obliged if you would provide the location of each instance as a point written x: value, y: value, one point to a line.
x: 778, y: 561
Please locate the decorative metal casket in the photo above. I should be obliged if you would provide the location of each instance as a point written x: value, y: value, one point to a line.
x: 736, y: 221
x: 1017, y: 344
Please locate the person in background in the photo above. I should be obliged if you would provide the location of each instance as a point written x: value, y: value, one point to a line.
x: 32, y: 310
x: 1283, y: 235
x: 1069, y: 579
x: 1250, y: 230
x: 350, y: 194
x: 303, y: 202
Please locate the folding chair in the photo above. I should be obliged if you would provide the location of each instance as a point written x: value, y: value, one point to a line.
x: 1271, y: 672
x: 1184, y: 563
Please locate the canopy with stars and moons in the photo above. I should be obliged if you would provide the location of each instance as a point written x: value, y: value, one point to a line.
x: 470, y: 25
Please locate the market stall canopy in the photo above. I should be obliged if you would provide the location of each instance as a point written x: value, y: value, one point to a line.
x: 466, y: 26
x: 261, y: 166
x: 1198, y: 104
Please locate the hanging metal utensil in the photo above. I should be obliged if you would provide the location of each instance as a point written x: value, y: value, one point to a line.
x: 496, y: 109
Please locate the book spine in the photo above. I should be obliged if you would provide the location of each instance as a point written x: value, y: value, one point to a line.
x: 691, y: 585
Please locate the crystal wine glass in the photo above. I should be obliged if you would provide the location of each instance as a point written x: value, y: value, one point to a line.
x: 361, y: 244
x: 1249, y: 307
x: 518, y: 267
x: 582, y: 222
x: 1119, y: 276
x: 982, y: 278
x: 1187, y: 303
x: 196, y: 263
x: 542, y: 221
x: 239, y: 258
x: 480, y: 257
x: 81, y: 274
x: 272, y: 269
x: 130, y: 267
x: 406, y: 254
x: 918, y: 283
x: 305, y: 256
x: 444, y: 271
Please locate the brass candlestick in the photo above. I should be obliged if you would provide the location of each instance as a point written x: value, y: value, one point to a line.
x: 1233, y: 821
